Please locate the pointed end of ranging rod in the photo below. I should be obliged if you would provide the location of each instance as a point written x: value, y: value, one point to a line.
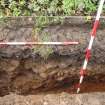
x: 78, y: 90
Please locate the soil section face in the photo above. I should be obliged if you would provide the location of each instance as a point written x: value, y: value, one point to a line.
x: 31, y: 69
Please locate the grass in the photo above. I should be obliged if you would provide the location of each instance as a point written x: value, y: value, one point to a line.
x: 46, y: 7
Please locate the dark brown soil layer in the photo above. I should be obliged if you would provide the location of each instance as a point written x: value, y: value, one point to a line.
x: 88, y: 87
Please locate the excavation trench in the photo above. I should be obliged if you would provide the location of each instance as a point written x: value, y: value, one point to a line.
x: 37, y: 69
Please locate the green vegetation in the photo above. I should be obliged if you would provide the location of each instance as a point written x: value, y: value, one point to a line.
x: 40, y: 23
x: 43, y: 50
x: 46, y: 7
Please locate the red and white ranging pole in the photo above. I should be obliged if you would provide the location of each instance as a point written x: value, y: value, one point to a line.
x: 40, y: 43
x: 88, y: 50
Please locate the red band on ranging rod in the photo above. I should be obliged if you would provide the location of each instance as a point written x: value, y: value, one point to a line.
x: 96, y: 24
x: 82, y: 72
x: 88, y: 54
